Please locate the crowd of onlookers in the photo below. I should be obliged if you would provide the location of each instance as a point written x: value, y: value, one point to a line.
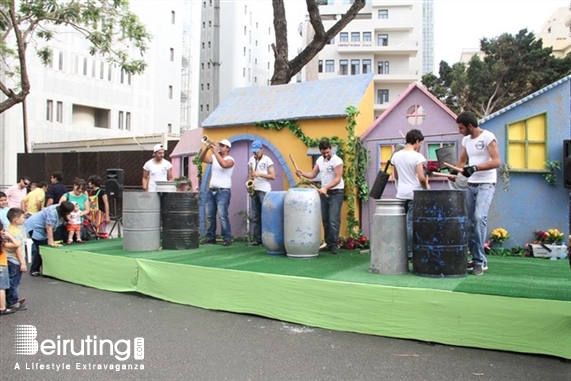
x: 46, y: 215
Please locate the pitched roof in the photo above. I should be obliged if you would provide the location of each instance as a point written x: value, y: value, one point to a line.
x: 401, y: 98
x: 190, y: 143
x: 326, y: 98
x: 526, y: 99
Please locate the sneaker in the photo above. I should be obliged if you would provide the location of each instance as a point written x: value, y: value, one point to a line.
x: 254, y: 243
x: 207, y: 241
x: 35, y: 273
x: 227, y: 243
x: 18, y: 307
x: 334, y: 249
x: 470, y: 266
x: 325, y: 248
x: 478, y: 270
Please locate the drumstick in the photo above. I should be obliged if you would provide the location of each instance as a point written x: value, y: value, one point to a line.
x: 453, y: 167
x: 293, y: 162
x: 443, y: 174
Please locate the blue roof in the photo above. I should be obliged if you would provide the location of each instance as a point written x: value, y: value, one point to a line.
x: 326, y: 98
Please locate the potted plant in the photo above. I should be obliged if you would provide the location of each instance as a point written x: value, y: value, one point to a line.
x: 183, y: 184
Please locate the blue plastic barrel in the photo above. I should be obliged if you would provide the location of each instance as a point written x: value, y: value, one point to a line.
x: 273, y: 222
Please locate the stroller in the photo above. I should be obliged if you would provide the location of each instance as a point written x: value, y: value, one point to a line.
x: 94, y: 225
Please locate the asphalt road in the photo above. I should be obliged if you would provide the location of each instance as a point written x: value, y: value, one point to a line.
x: 187, y: 343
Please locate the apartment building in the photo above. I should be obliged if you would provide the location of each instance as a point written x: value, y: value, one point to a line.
x: 80, y: 96
x: 556, y: 32
x: 393, y: 39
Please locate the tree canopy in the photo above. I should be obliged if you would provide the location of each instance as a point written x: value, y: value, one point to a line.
x: 111, y: 29
x: 285, y: 69
x: 513, y: 67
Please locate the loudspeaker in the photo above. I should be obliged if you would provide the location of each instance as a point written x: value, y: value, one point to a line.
x: 567, y: 163
x: 114, y: 183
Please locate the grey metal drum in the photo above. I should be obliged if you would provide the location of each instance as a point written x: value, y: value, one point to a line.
x: 141, y: 221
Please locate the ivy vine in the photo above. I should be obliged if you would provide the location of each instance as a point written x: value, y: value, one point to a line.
x: 356, y: 164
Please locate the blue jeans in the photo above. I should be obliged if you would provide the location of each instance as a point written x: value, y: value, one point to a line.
x: 478, y: 199
x: 331, y: 217
x: 257, y: 200
x: 408, y: 210
x: 15, y: 278
x: 218, y: 201
x: 36, y: 257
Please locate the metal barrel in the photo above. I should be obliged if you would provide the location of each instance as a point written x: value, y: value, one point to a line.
x: 388, y: 238
x: 180, y: 220
x: 141, y: 221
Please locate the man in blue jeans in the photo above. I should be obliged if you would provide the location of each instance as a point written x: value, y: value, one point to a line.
x: 331, y: 193
x: 480, y: 147
x: 218, y: 197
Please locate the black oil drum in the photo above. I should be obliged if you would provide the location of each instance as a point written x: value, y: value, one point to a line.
x: 439, y: 236
x: 180, y: 221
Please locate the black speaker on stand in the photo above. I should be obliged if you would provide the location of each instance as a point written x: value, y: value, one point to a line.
x: 114, y: 190
x: 567, y: 163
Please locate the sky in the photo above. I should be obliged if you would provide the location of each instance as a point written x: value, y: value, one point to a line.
x: 460, y: 24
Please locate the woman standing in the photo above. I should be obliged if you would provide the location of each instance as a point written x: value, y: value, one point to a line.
x: 98, y: 203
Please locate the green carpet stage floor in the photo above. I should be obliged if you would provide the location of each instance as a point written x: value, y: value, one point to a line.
x: 520, y: 304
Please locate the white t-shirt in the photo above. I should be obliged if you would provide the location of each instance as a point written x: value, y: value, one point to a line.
x: 263, y: 165
x: 327, y: 170
x: 221, y: 177
x: 405, y: 162
x: 157, y: 172
x: 478, y: 153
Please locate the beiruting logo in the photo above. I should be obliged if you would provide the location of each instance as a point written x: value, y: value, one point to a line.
x: 25, y: 343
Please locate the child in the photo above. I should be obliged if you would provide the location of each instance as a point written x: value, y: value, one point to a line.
x: 4, y: 210
x: 4, y: 277
x: 74, y: 225
x: 16, y: 261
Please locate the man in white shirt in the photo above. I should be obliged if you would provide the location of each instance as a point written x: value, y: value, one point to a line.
x: 156, y: 169
x: 218, y: 197
x: 481, y: 147
x: 261, y: 168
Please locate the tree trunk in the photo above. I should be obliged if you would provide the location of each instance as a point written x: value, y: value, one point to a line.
x: 285, y: 70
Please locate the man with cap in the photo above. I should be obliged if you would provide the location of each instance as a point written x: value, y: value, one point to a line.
x: 156, y: 169
x: 218, y: 197
x: 261, y: 169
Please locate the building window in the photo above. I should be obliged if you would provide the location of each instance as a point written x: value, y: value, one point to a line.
x: 203, y: 24
x: 244, y: 72
x: 367, y: 66
x: 209, y: 44
x: 382, y: 96
x: 355, y: 67
x: 355, y: 37
x: 169, y: 128
x: 208, y: 65
x: 102, y: 70
x: 59, y: 112
x: 367, y: 36
x: 432, y: 147
x: 415, y: 115
x: 202, y: 65
x: 110, y: 72
x: 120, y: 120
x: 202, y: 86
x: 527, y: 143
x: 60, y: 61
x: 172, y: 54
x: 329, y: 66
x: 210, y: 24
x: 173, y: 17
x: 320, y: 66
x: 50, y: 110
x: 122, y: 80
x: 382, y: 40
x: 385, y: 153
x: 203, y: 45
x: 343, y: 67
x: 343, y: 37
x: 93, y: 68
x: 128, y: 121
x: 208, y: 86
x: 207, y: 107
x: 383, y: 14
x: 170, y: 92
x: 84, y: 65
x: 383, y: 67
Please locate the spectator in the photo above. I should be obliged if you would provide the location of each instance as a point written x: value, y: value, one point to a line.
x: 16, y: 261
x: 56, y: 190
x: 34, y: 201
x: 4, y: 276
x: 17, y: 192
x: 4, y: 209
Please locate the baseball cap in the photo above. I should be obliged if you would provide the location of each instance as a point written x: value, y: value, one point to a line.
x: 158, y: 147
x: 256, y: 146
x: 226, y: 142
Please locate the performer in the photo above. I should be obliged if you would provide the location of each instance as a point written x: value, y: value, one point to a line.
x: 331, y: 193
x: 218, y: 197
x: 156, y: 169
x: 262, y: 171
x: 481, y: 147
x: 409, y: 171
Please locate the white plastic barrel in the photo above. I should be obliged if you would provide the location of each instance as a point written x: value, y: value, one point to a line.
x: 302, y: 223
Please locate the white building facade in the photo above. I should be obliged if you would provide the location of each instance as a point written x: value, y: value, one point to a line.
x: 393, y: 39
x: 556, y: 32
x: 80, y: 96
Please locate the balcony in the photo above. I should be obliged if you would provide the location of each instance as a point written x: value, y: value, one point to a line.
x: 398, y: 76
x: 394, y: 25
x: 392, y: 3
x: 402, y: 47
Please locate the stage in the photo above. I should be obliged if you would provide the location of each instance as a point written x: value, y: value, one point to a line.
x: 520, y: 304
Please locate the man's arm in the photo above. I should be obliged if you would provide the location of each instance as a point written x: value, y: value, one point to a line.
x: 145, y: 180
x: 308, y: 175
x: 204, y: 157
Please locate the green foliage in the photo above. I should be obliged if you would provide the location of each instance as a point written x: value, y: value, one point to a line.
x: 552, y: 166
x: 513, y: 67
x: 515, y: 251
x: 355, y: 162
x: 112, y: 30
